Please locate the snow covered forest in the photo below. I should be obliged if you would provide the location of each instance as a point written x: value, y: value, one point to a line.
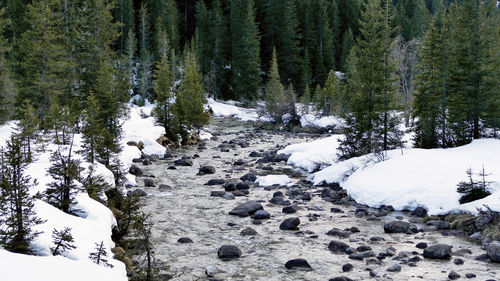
x: 188, y: 140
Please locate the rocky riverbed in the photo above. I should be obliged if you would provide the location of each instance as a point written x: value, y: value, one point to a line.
x: 294, y: 232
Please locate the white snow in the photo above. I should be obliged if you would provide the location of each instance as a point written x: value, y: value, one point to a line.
x: 309, y: 156
x: 228, y: 109
x: 311, y: 120
x: 96, y: 220
x: 408, y: 178
x: 272, y: 180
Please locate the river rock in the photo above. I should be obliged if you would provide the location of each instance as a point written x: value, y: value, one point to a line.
x: 421, y: 245
x: 291, y: 209
x: 229, y: 196
x: 493, y: 250
x: 338, y: 247
x: 228, y: 252
x: 399, y: 227
x: 453, y: 275
x: 470, y: 275
x: 215, y: 182
x: 134, y: 170
x: 183, y: 162
x: 206, y: 170
x: 217, y: 193
x: 213, y: 270
x: 261, y: 215
x: 184, y: 240
x: 164, y: 187
x: 248, y: 232
x: 137, y: 192
x: 338, y: 233
x: 242, y: 186
x: 419, y: 212
x: 255, y: 154
x: 438, y: 251
x: 441, y: 225
x: 246, y: 209
x: 251, y: 177
x: 360, y: 256
x: 149, y: 182
x: 341, y: 278
x: 347, y: 267
x: 290, y: 224
x: 298, y: 264
x: 394, y: 268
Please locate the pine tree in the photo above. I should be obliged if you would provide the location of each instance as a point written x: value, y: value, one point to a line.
x: 143, y: 232
x: 95, y: 185
x: 431, y: 97
x: 332, y: 98
x: 275, y: 93
x: 205, y: 43
x: 245, y: 50
x: 164, y: 96
x: 63, y: 241
x: 65, y: 171
x: 62, y: 121
x: 492, y: 86
x: 471, y: 41
x: 28, y: 128
x: 17, y: 216
x: 371, y: 128
x: 171, y: 23
x: 347, y: 43
x: 222, y: 53
x: 145, y: 71
x: 45, y: 66
x: 124, y: 12
x: 100, y: 255
x: 7, y: 90
x: 190, y: 100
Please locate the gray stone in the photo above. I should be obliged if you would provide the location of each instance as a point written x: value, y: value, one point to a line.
x: 453, y: 275
x: 441, y: 225
x: 248, y: 232
x: 338, y: 233
x: 291, y: 209
x: 183, y: 162
x: 228, y: 252
x: 184, y: 240
x: 261, y: 215
x: 298, y: 264
x: 493, y: 250
x: 341, y: 278
x: 217, y: 193
x: 438, y: 251
x: 249, y: 177
x: 399, y: 227
x: 149, y: 182
x: 206, y: 170
x: 215, y: 182
x: 137, y: 192
x: 246, y: 209
x: 338, y: 247
x: 290, y: 224
x: 394, y: 268
x: 347, y: 267
x: 134, y: 170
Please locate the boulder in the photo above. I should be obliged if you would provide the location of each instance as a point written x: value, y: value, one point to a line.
x: 137, y: 192
x: 246, y: 209
x: 206, y: 170
x: 290, y: 224
x: 261, y: 215
x: 184, y: 240
x: 134, y: 170
x: 228, y: 252
x: 291, y: 209
x: 251, y: 177
x: 298, y: 264
x: 493, y: 250
x: 215, y: 182
x: 149, y: 182
x: 248, y: 232
x: 441, y: 225
x: 338, y: 247
x: 438, y: 251
x: 399, y: 227
x: 183, y: 162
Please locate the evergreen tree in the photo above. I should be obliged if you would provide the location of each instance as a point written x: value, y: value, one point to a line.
x: 17, y: 216
x: 205, y: 46
x: 492, y: 86
x: 65, y: 171
x: 28, y: 127
x: 171, y: 23
x: 62, y: 121
x: 7, y: 90
x: 371, y: 128
x: 143, y: 232
x: 44, y: 69
x: 124, y: 13
x: 431, y: 97
x: 95, y: 185
x: 245, y: 50
x: 63, y: 241
x: 100, y: 255
x: 145, y: 72
x: 189, y: 106
x: 306, y: 73
x: 332, y: 98
x: 222, y: 53
x: 91, y: 130
x: 347, y: 43
x: 471, y: 41
x: 164, y: 96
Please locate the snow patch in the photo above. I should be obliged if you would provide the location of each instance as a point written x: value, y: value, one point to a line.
x: 273, y: 179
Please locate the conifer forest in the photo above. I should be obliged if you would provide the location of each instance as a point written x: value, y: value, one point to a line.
x: 150, y: 140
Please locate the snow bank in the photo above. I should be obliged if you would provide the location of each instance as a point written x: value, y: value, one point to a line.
x: 408, y: 178
x: 309, y: 156
x: 311, y: 120
x: 228, y: 109
x: 93, y: 226
x: 16, y: 267
x: 273, y: 179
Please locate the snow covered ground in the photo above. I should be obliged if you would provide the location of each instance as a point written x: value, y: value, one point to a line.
x: 228, y: 109
x: 311, y: 120
x: 408, y: 178
x: 92, y: 227
x: 270, y: 180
